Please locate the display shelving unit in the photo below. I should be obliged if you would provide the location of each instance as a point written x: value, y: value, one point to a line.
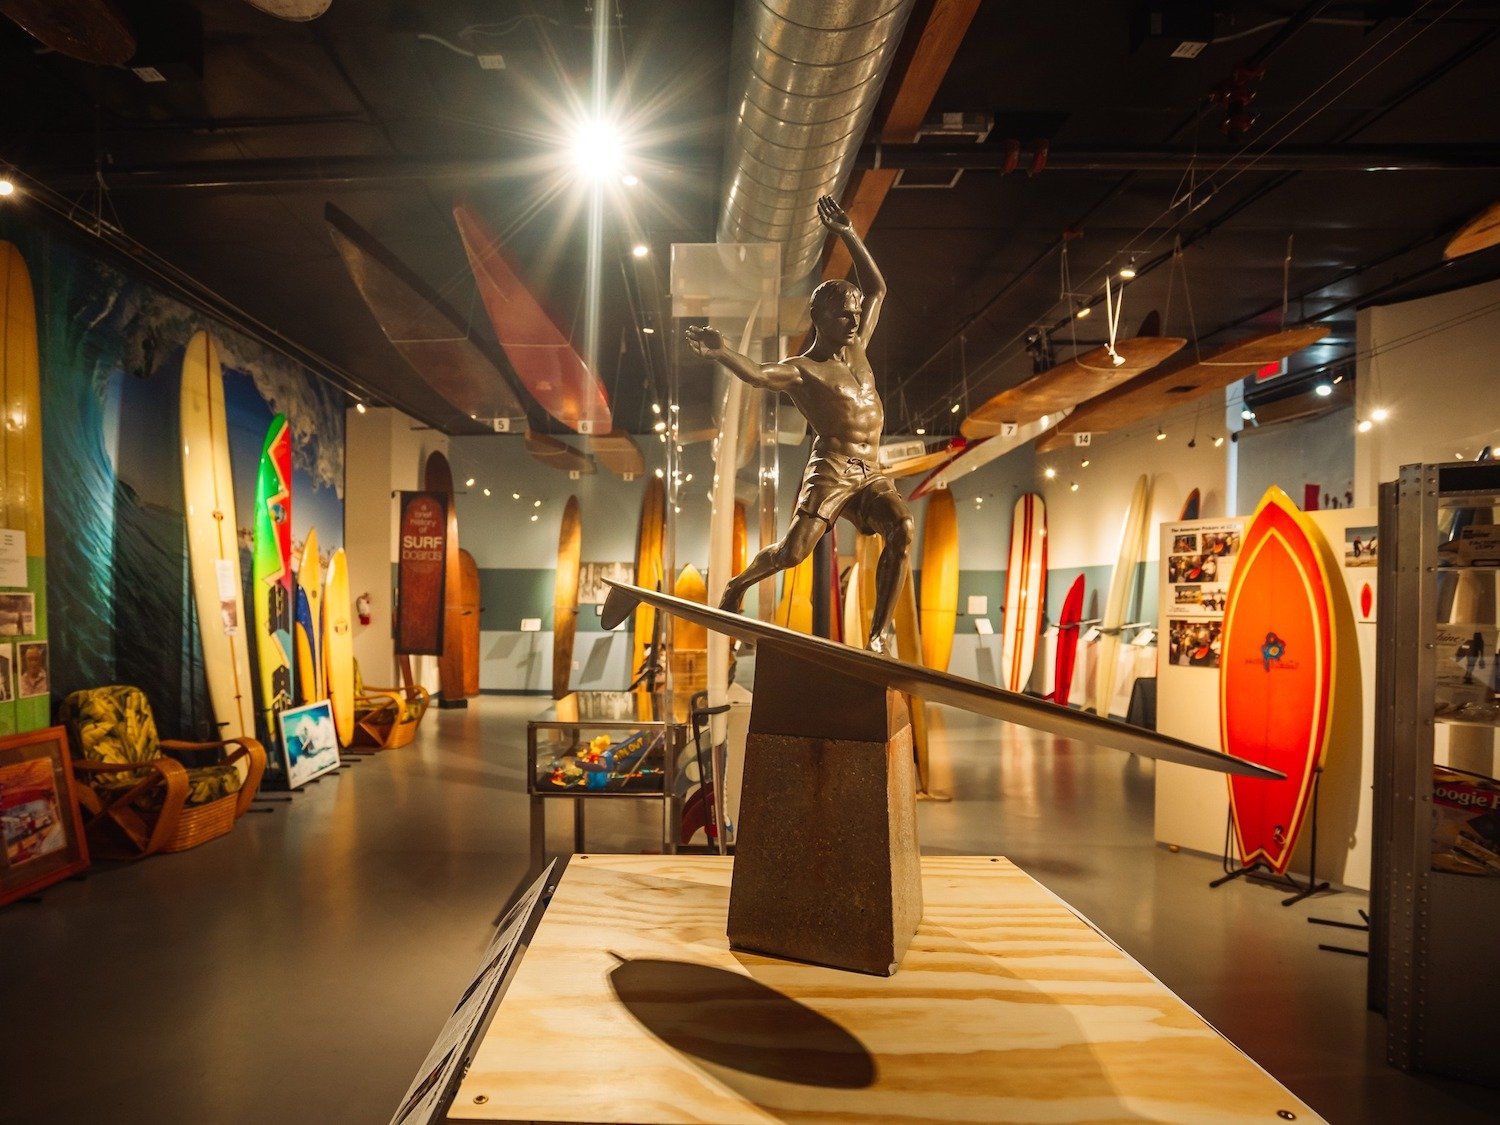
x: 1434, y: 961
x: 569, y: 724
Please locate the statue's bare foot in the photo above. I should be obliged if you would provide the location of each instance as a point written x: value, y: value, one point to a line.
x: 730, y: 602
x: 879, y: 645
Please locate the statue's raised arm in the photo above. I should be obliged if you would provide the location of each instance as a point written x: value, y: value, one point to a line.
x: 871, y: 282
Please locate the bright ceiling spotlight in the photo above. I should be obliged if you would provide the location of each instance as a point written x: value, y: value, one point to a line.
x: 1083, y: 311
x: 1247, y: 414
x: 953, y: 409
x: 535, y: 518
x: 1049, y: 472
x: 359, y: 406
x: 921, y: 430
x: 515, y: 495
x: 630, y: 179
x: 656, y: 408
x: 660, y: 427
x: 486, y: 491
x: 1218, y: 440
x: 1379, y: 414
x: 640, y: 249
x: 596, y: 150
x: 1084, y: 464
x: 1127, y: 271
x: 660, y: 473
x: 1161, y: 434
x: 1364, y: 426
x: 536, y: 503
x: 1073, y: 487
x: 469, y: 483
x: 1323, y: 390
x: 6, y: 187
x: 649, y: 331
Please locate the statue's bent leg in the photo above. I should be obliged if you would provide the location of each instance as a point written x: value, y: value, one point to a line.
x: 795, y: 546
x: 894, y: 522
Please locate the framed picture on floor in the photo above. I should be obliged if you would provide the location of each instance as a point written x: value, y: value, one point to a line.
x: 309, y: 742
x: 40, y: 829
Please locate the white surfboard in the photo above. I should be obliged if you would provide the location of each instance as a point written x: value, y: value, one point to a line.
x: 213, y: 540
x: 1132, y: 550
x: 982, y: 452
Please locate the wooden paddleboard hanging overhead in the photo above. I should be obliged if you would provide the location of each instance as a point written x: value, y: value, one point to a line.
x: 618, y: 452
x: 1479, y: 233
x: 543, y: 356
x: 1160, y: 392
x: 425, y: 329
x: 558, y: 455
x: 92, y: 31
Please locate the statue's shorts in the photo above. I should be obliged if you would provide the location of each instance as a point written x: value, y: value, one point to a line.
x: 834, y: 485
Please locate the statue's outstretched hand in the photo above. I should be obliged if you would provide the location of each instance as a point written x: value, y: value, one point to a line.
x: 705, y: 341
x: 832, y: 215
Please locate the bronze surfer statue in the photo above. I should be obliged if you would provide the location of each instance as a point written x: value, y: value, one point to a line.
x: 832, y: 384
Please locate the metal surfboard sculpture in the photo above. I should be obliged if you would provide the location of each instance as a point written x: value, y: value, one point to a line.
x: 1025, y: 590
x: 213, y: 540
x: 1276, y: 676
x: 271, y: 579
x: 932, y: 685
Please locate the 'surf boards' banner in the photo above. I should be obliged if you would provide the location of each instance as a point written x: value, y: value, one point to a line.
x: 419, y: 577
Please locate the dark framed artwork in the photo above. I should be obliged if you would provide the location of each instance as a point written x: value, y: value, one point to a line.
x: 41, y: 833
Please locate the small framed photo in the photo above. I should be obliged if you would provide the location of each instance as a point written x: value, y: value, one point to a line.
x: 309, y: 742
x: 31, y: 656
x: 40, y: 829
x: 7, y: 671
x: 17, y: 615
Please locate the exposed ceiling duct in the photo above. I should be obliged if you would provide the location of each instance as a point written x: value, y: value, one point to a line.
x: 805, y: 79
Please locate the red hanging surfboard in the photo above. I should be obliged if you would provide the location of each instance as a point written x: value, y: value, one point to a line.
x: 1067, y: 643
x: 1276, y: 676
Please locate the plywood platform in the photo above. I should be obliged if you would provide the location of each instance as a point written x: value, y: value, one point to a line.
x: 630, y: 1006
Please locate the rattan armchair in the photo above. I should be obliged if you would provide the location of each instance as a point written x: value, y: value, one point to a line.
x: 141, y: 794
x: 387, y: 717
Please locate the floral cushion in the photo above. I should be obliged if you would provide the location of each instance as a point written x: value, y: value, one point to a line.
x: 111, y: 724
x: 114, y: 725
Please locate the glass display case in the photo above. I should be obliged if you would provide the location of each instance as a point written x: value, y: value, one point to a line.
x: 1435, y: 891
x: 600, y: 745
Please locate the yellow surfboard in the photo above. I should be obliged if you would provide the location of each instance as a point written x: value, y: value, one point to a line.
x: 939, y: 595
x: 213, y: 540
x: 648, y: 567
x: 794, y: 611
x: 565, y: 597
x: 909, y: 649
x: 21, y: 488
x: 307, y: 623
x: 338, y: 646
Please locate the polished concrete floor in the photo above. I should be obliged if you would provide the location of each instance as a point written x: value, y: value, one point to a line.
x: 298, y: 969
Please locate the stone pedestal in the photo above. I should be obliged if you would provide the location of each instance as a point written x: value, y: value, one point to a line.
x: 826, y: 865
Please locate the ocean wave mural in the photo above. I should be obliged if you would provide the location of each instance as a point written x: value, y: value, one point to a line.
x: 118, y: 581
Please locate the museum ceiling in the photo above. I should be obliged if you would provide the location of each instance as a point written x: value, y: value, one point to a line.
x: 1239, y: 214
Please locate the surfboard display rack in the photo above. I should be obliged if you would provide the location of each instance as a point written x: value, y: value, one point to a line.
x: 1262, y: 873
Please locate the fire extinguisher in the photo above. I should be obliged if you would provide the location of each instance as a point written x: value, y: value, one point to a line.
x: 362, y: 608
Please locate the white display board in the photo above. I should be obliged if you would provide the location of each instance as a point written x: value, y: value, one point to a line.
x: 1192, y: 805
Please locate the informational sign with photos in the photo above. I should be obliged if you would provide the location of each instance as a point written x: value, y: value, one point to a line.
x: 1199, y: 558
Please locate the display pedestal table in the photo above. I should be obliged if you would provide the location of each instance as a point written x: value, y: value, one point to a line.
x: 631, y: 1006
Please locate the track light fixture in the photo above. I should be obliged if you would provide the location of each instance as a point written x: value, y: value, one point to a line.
x: 1218, y: 440
x: 1127, y: 271
x: 358, y: 406
x: 1161, y: 434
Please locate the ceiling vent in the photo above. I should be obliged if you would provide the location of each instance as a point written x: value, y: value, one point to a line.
x: 949, y: 129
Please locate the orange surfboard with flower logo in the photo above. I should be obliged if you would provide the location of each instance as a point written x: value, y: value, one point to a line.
x: 1276, y: 676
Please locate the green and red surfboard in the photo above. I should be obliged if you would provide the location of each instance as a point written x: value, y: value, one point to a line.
x: 1276, y: 676
x: 271, y: 575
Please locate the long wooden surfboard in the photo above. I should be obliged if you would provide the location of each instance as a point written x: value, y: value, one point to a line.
x: 1066, y: 654
x: 468, y: 621
x: 909, y: 649
x: 1186, y: 378
x: 922, y: 463
x: 650, y: 534
x: 271, y: 580
x: 982, y: 451
x: 565, y: 597
x: 541, y: 353
x: 618, y: 452
x: 739, y: 545
x: 794, y: 610
x: 213, y: 540
x: 338, y: 646
x: 297, y: 11
x: 428, y: 332
x: 92, y: 31
x: 939, y: 592
x: 1276, y: 675
x: 1133, y: 534
x: 308, y: 623
x: 21, y: 441
x: 1025, y: 590
x: 1069, y: 383
x: 438, y: 477
x: 932, y: 685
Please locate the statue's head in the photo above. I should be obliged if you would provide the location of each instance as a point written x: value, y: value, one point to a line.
x: 836, y: 311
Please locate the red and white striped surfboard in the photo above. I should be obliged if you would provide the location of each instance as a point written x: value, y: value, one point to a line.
x: 1025, y: 590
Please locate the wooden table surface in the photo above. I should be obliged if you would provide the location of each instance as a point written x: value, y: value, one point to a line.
x: 630, y: 1006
